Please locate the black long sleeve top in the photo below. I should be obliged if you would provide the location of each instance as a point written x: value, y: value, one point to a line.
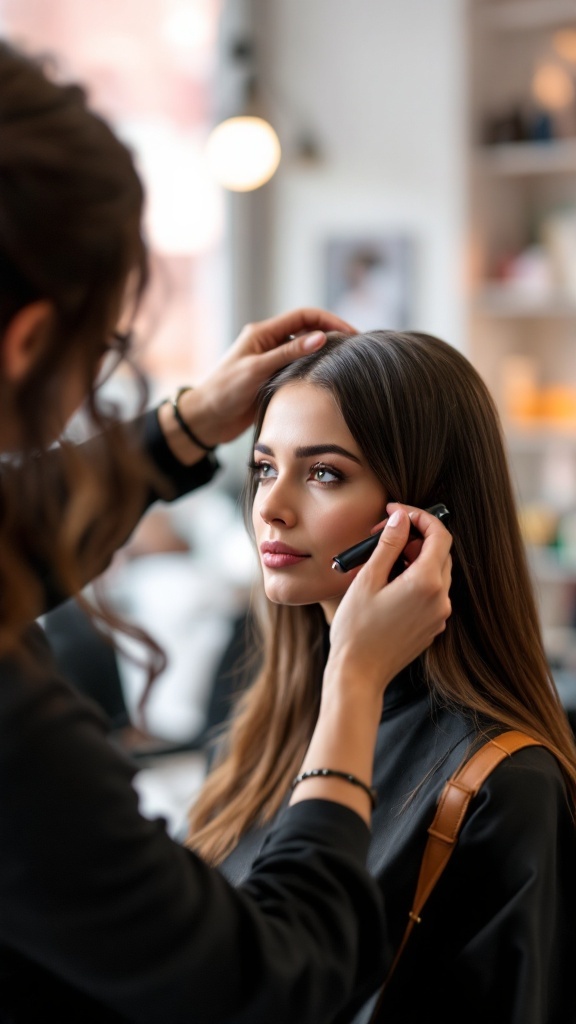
x: 104, y: 917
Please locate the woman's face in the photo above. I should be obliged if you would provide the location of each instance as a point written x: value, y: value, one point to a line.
x: 316, y: 496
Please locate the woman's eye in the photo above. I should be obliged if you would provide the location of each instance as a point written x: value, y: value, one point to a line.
x: 262, y: 470
x: 325, y: 474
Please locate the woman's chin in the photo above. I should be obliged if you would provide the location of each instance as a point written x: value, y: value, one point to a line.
x: 292, y: 598
x: 279, y: 593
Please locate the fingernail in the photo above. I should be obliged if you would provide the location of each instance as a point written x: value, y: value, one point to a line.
x: 313, y: 341
x: 395, y: 518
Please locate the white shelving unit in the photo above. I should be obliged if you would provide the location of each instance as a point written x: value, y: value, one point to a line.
x: 525, y: 325
x: 513, y: 15
x: 499, y: 301
x: 527, y: 158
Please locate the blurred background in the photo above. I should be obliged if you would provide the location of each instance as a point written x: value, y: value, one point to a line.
x: 418, y: 170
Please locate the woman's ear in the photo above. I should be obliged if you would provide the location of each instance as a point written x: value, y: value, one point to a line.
x: 25, y: 339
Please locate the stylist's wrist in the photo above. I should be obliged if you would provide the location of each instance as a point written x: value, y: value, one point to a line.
x: 201, y: 419
x: 347, y: 683
x: 344, y: 741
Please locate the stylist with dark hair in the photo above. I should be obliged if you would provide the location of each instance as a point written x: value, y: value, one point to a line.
x: 103, y: 917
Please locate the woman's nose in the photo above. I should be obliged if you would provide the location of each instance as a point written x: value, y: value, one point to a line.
x: 276, y: 505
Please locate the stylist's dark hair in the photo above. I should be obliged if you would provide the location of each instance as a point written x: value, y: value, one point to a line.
x: 428, y: 428
x: 70, y: 234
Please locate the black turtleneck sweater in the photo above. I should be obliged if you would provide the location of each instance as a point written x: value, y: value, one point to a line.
x: 497, y: 940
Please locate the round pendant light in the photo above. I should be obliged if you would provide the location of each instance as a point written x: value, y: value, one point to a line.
x: 243, y: 152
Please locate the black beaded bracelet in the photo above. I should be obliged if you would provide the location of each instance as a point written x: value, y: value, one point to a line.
x: 346, y: 776
x: 182, y: 422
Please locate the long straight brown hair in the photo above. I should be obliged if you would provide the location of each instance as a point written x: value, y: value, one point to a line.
x: 429, y: 430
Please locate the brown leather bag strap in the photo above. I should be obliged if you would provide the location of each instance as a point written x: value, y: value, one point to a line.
x: 450, y: 813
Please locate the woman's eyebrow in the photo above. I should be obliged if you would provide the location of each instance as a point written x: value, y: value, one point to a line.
x: 313, y: 449
x: 324, y: 449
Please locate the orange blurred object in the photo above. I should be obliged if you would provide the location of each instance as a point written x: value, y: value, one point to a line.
x: 557, y: 403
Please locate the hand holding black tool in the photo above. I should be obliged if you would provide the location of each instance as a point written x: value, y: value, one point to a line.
x: 360, y: 553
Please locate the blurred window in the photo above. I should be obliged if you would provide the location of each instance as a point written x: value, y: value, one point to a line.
x: 149, y: 68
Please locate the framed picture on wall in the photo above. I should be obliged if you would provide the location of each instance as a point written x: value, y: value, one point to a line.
x: 369, y: 280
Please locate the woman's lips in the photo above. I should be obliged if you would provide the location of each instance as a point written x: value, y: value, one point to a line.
x: 273, y: 560
x: 280, y: 556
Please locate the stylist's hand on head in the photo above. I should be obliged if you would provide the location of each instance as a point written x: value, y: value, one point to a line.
x: 381, y: 626
x: 221, y: 406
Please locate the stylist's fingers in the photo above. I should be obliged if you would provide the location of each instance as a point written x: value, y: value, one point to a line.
x: 297, y: 325
x: 427, y: 583
x: 282, y: 354
x: 431, y: 571
x: 438, y: 538
x: 392, y: 541
x: 380, y: 627
x: 357, y: 624
x: 359, y: 604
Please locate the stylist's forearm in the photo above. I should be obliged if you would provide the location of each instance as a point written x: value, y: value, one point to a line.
x: 344, y: 739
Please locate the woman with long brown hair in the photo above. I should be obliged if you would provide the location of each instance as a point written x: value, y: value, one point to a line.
x: 103, y: 917
x: 377, y: 418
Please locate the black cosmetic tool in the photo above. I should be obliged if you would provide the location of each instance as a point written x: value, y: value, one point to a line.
x: 360, y: 553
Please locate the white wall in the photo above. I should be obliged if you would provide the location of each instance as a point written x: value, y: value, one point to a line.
x: 382, y: 84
